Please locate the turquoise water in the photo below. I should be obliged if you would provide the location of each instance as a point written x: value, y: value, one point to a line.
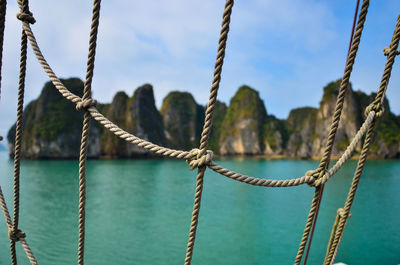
x: 138, y: 212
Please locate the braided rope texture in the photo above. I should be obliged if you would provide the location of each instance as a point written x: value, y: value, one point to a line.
x: 226, y: 18
x: 376, y: 105
x: 84, y: 105
x: 3, y: 8
x: 197, y: 158
x: 324, y: 163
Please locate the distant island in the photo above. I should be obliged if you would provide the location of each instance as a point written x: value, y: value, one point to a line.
x: 52, y: 126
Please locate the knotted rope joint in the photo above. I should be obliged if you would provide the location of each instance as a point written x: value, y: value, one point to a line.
x: 386, y: 51
x: 378, y: 109
x: 196, y: 161
x: 16, y: 235
x: 26, y: 17
x: 85, y: 104
x: 318, y: 177
x: 340, y: 213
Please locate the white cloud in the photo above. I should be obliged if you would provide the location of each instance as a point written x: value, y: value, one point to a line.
x: 285, y: 49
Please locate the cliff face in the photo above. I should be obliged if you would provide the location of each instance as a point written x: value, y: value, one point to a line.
x: 218, y: 119
x: 137, y: 115
x: 144, y: 120
x: 242, y: 127
x: 309, y: 127
x: 116, y: 112
x: 52, y: 126
x: 183, y: 120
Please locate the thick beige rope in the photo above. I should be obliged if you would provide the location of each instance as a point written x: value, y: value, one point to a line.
x: 15, y: 233
x: 350, y: 198
x: 339, y: 215
x: 260, y: 181
x: 201, y: 158
x: 3, y: 9
x: 84, y: 105
x: 349, y: 150
x: 226, y: 18
x: 376, y: 105
x: 159, y: 150
x: 7, y: 217
x: 334, y: 125
x: 308, y: 178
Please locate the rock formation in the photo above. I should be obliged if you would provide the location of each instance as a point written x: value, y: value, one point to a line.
x: 183, y: 120
x: 242, y: 127
x: 52, y: 126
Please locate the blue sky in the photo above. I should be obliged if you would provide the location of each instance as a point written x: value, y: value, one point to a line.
x: 288, y: 50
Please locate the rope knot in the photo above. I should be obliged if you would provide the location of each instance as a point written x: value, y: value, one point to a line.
x: 15, y: 235
x: 341, y: 213
x: 85, y: 104
x: 378, y: 109
x: 26, y: 17
x: 318, y: 177
x: 387, y: 51
x: 196, y: 160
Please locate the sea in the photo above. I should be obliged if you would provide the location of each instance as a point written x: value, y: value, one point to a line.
x: 139, y: 212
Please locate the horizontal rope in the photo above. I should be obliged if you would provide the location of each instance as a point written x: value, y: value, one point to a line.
x: 260, y: 181
x: 164, y: 151
x: 349, y: 150
x: 159, y: 150
x: 198, y: 158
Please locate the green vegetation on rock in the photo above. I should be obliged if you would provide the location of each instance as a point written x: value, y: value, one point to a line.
x: 52, y: 125
x: 183, y: 120
x: 219, y: 115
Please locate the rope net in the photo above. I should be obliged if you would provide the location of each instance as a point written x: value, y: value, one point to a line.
x: 200, y: 158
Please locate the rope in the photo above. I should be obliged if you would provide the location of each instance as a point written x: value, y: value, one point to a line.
x: 8, y: 220
x: 14, y: 231
x: 199, y: 158
x: 226, y: 18
x: 392, y: 52
x: 350, y: 198
x: 3, y: 8
x: 339, y: 215
x: 84, y: 105
x: 333, y: 247
x: 260, y: 181
x: 345, y: 83
x: 309, y: 222
x: 324, y: 163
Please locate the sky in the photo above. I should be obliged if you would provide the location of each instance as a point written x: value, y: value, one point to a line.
x: 287, y: 50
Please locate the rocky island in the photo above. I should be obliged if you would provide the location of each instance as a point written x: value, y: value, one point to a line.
x: 52, y: 126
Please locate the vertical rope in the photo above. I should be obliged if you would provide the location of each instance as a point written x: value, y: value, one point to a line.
x: 394, y: 44
x: 308, y: 226
x: 6, y: 213
x: 226, y: 18
x: 195, y: 215
x: 85, y: 129
x: 351, y: 195
x: 18, y: 133
x: 314, y: 223
x: 217, y: 76
x: 333, y: 247
x: 324, y: 163
x: 3, y: 8
x: 344, y: 84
